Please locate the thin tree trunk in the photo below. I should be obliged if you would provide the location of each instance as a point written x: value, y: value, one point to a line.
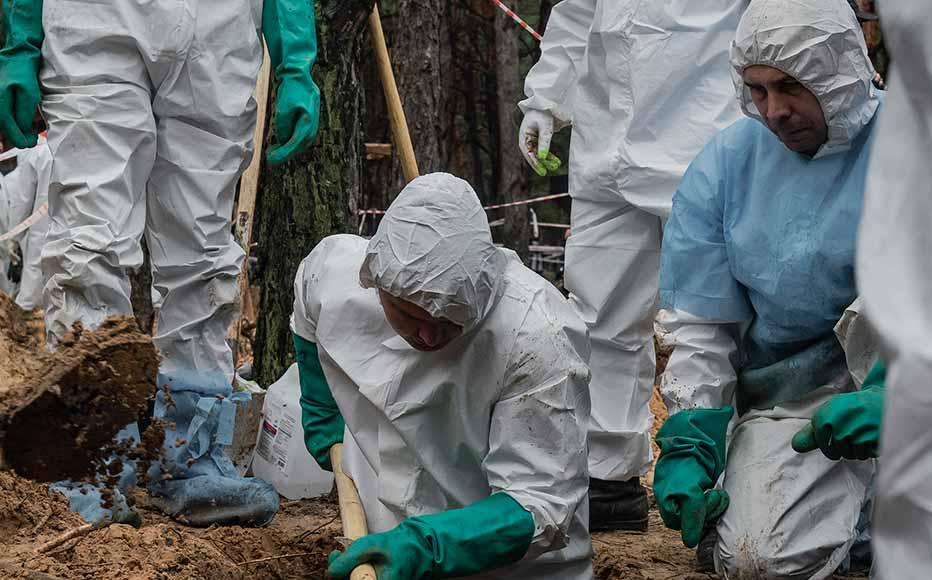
x: 313, y: 196
x: 512, y: 171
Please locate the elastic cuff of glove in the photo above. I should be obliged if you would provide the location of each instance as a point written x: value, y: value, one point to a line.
x: 877, y: 376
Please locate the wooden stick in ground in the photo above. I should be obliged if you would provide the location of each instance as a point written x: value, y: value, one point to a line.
x: 352, y: 513
x: 71, y: 534
x: 246, y: 205
x: 396, y: 113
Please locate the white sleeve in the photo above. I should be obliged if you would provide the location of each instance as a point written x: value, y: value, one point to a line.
x: 701, y: 370
x: 858, y: 340
x: 550, y: 83
x: 537, y: 436
x: 306, y: 298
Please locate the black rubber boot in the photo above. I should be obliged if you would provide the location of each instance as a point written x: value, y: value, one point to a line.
x: 617, y: 505
x: 705, y: 551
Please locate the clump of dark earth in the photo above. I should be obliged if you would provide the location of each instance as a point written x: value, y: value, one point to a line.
x: 59, y: 411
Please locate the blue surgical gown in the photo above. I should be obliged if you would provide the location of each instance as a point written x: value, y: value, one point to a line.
x: 764, y: 236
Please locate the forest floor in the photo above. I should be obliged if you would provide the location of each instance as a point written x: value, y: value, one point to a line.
x: 294, y: 546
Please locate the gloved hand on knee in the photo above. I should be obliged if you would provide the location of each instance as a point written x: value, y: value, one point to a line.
x: 692, y: 457
x: 848, y: 425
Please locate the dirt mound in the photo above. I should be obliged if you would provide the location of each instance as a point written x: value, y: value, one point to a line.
x: 294, y: 545
x: 58, y: 411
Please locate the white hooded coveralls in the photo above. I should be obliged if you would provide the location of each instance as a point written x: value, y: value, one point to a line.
x: 151, y: 116
x: 766, y: 279
x: 896, y: 281
x: 22, y: 192
x: 502, y: 408
x: 645, y: 84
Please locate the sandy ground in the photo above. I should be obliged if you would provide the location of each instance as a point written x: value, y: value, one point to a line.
x: 294, y: 546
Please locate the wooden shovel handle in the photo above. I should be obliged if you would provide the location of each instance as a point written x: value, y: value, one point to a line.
x: 396, y: 113
x: 352, y: 513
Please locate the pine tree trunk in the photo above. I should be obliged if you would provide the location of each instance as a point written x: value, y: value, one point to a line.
x: 313, y: 196
x: 512, y: 171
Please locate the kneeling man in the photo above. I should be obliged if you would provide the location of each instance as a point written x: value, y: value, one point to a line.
x: 462, y: 378
x: 757, y: 268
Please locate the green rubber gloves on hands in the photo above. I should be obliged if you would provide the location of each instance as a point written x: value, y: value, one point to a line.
x: 848, y: 425
x: 692, y: 456
x: 290, y: 33
x: 20, y: 60
x: 291, y: 36
x: 320, y: 417
x: 490, y: 533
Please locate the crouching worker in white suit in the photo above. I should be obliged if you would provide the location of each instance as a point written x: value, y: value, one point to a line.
x: 462, y: 378
x: 757, y: 268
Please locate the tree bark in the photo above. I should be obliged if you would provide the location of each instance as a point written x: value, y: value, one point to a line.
x: 512, y: 170
x: 315, y: 195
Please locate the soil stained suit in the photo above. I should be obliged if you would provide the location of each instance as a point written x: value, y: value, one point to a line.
x: 896, y: 280
x: 757, y: 269
x: 453, y: 451
x: 645, y: 85
x: 151, y: 117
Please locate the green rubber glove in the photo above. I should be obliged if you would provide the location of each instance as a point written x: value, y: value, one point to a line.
x: 20, y: 60
x: 320, y: 416
x: 692, y: 456
x: 490, y: 533
x: 291, y: 36
x: 847, y: 426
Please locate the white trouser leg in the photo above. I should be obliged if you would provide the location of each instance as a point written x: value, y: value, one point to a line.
x: 903, y: 518
x: 792, y: 515
x: 102, y: 138
x: 206, y: 116
x: 612, y: 273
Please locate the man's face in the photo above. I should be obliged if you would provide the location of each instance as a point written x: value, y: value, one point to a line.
x: 414, y: 324
x: 789, y: 109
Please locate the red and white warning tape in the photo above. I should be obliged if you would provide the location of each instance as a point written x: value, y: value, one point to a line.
x: 488, y: 207
x: 527, y: 201
x: 511, y: 14
x: 26, y: 223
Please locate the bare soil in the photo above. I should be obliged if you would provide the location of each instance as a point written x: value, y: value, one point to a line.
x: 294, y: 546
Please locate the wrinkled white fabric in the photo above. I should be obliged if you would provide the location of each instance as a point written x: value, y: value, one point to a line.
x: 435, y: 251
x: 645, y: 85
x: 821, y: 45
x: 501, y: 408
x: 896, y: 284
x: 700, y: 373
x: 22, y: 192
x: 791, y: 515
x: 151, y: 115
x: 859, y: 341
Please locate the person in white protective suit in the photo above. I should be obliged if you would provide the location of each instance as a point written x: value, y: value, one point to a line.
x: 644, y: 85
x: 896, y: 282
x: 461, y: 376
x: 151, y: 116
x: 757, y: 269
x: 23, y: 192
